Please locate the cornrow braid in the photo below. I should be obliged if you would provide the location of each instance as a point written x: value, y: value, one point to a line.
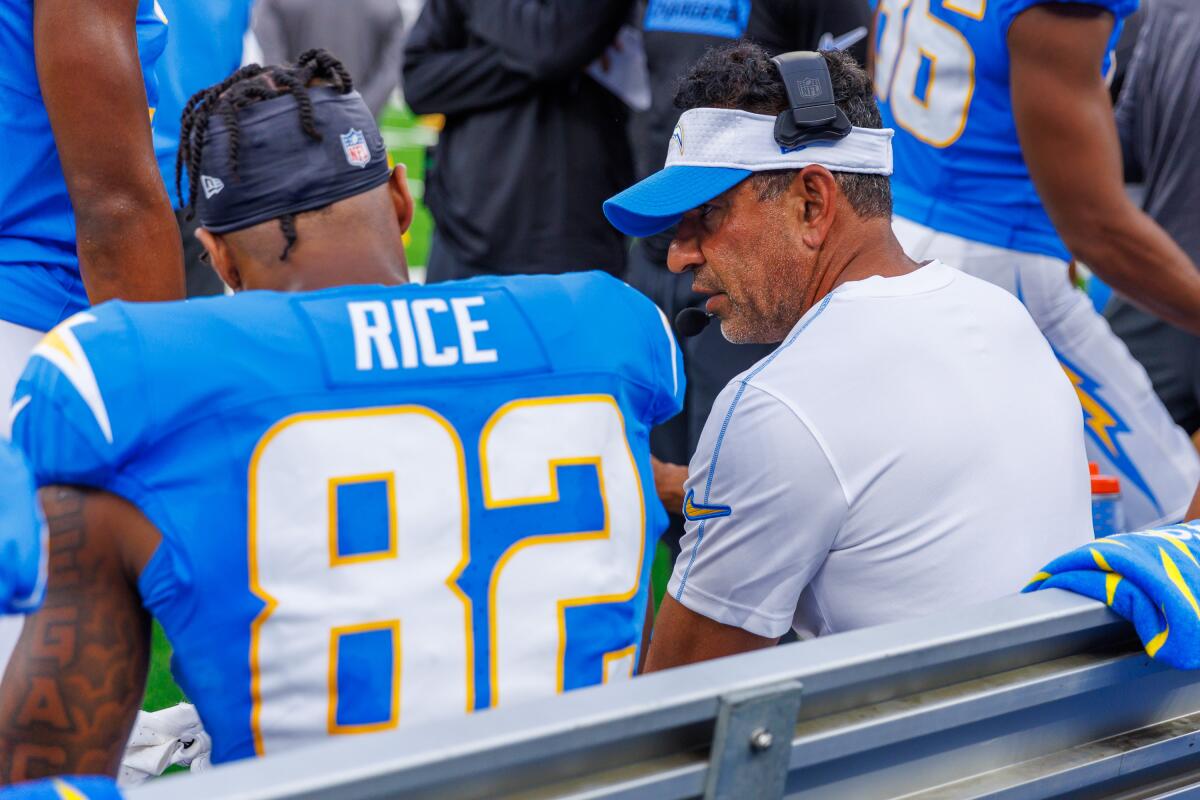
x: 287, y: 223
x: 194, y: 122
x: 322, y: 60
x: 249, y: 85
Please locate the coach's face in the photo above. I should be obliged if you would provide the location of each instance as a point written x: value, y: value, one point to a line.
x: 749, y: 255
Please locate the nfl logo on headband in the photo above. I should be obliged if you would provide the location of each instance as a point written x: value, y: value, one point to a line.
x: 354, y: 144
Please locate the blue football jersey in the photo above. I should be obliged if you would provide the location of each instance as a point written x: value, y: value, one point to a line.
x: 377, y: 504
x: 39, y: 269
x: 204, y: 47
x: 23, y: 556
x: 67, y: 787
x: 942, y: 81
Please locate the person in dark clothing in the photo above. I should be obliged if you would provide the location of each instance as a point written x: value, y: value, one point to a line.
x: 532, y: 145
x: 1158, y: 119
x: 676, y: 35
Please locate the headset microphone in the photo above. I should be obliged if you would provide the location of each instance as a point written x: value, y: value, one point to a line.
x: 691, y: 321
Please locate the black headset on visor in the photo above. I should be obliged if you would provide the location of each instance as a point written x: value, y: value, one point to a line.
x: 813, y: 116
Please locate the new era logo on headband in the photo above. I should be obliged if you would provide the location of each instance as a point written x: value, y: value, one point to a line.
x: 212, y: 186
x: 354, y: 144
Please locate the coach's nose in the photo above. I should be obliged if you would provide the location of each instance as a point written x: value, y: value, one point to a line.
x: 684, y: 252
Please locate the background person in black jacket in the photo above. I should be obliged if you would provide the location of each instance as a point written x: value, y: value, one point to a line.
x: 532, y: 146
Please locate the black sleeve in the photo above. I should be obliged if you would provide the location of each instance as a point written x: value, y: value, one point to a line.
x: 1128, y: 116
x: 445, y: 74
x: 547, y: 39
x: 781, y: 26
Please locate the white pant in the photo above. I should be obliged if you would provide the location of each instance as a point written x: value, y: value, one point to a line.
x: 15, y: 344
x: 1129, y: 432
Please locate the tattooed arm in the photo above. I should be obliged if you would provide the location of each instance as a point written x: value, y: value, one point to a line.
x: 75, y: 682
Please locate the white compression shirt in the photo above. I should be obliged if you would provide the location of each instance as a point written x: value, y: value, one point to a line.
x: 913, y: 445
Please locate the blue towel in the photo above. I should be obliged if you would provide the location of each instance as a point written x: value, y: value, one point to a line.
x: 68, y: 787
x: 1151, y: 578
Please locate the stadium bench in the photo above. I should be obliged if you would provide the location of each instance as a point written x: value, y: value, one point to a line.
x: 1033, y: 696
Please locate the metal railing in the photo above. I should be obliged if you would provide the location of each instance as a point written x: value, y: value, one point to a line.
x: 1033, y: 696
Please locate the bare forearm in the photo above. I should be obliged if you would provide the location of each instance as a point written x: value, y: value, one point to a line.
x: 668, y: 483
x: 1069, y: 139
x: 127, y: 239
x: 130, y: 251
x: 75, y: 681
x: 681, y: 636
x: 1134, y: 256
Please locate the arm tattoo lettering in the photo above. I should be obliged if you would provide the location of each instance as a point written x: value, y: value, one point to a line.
x: 75, y: 682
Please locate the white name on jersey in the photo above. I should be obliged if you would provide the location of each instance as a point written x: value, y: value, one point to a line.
x: 380, y: 327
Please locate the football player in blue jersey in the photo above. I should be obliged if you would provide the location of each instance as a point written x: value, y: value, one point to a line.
x: 361, y: 505
x: 83, y: 215
x: 1008, y: 166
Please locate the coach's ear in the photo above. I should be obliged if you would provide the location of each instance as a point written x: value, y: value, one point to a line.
x: 220, y: 258
x: 401, y: 198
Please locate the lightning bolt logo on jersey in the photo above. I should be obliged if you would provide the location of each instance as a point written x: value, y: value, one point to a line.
x: 942, y: 81
x: 378, y: 505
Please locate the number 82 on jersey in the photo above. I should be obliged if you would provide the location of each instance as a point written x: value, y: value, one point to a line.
x: 359, y: 534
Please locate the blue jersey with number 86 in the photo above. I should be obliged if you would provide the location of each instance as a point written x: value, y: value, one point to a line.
x: 942, y: 81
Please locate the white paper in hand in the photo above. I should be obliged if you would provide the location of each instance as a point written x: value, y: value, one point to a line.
x: 623, y: 70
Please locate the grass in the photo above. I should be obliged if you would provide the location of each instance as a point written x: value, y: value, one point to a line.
x: 407, y: 137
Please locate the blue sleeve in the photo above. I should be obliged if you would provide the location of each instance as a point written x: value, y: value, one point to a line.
x: 669, y: 362
x: 81, y: 406
x: 23, y: 553
x: 652, y: 354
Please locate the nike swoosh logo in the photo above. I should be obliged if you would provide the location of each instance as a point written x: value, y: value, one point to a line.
x: 694, y: 512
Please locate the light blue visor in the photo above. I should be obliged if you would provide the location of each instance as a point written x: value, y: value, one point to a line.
x: 659, y: 201
x: 714, y: 149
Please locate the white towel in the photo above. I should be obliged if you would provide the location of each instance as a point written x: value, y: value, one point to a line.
x: 161, y: 739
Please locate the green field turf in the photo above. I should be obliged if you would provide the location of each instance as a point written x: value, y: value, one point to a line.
x: 406, y: 138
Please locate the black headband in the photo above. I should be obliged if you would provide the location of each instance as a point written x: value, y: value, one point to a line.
x: 281, y: 170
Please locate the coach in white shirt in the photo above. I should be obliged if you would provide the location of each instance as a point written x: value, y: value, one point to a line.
x: 911, y: 446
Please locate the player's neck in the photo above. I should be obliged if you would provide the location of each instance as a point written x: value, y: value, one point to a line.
x: 325, y: 267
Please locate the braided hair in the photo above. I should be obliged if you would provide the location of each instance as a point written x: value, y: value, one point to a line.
x: 248, y: 85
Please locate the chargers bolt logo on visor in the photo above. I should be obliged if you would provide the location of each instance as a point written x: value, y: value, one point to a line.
x: 677, y: 137
x: 354, y: 144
